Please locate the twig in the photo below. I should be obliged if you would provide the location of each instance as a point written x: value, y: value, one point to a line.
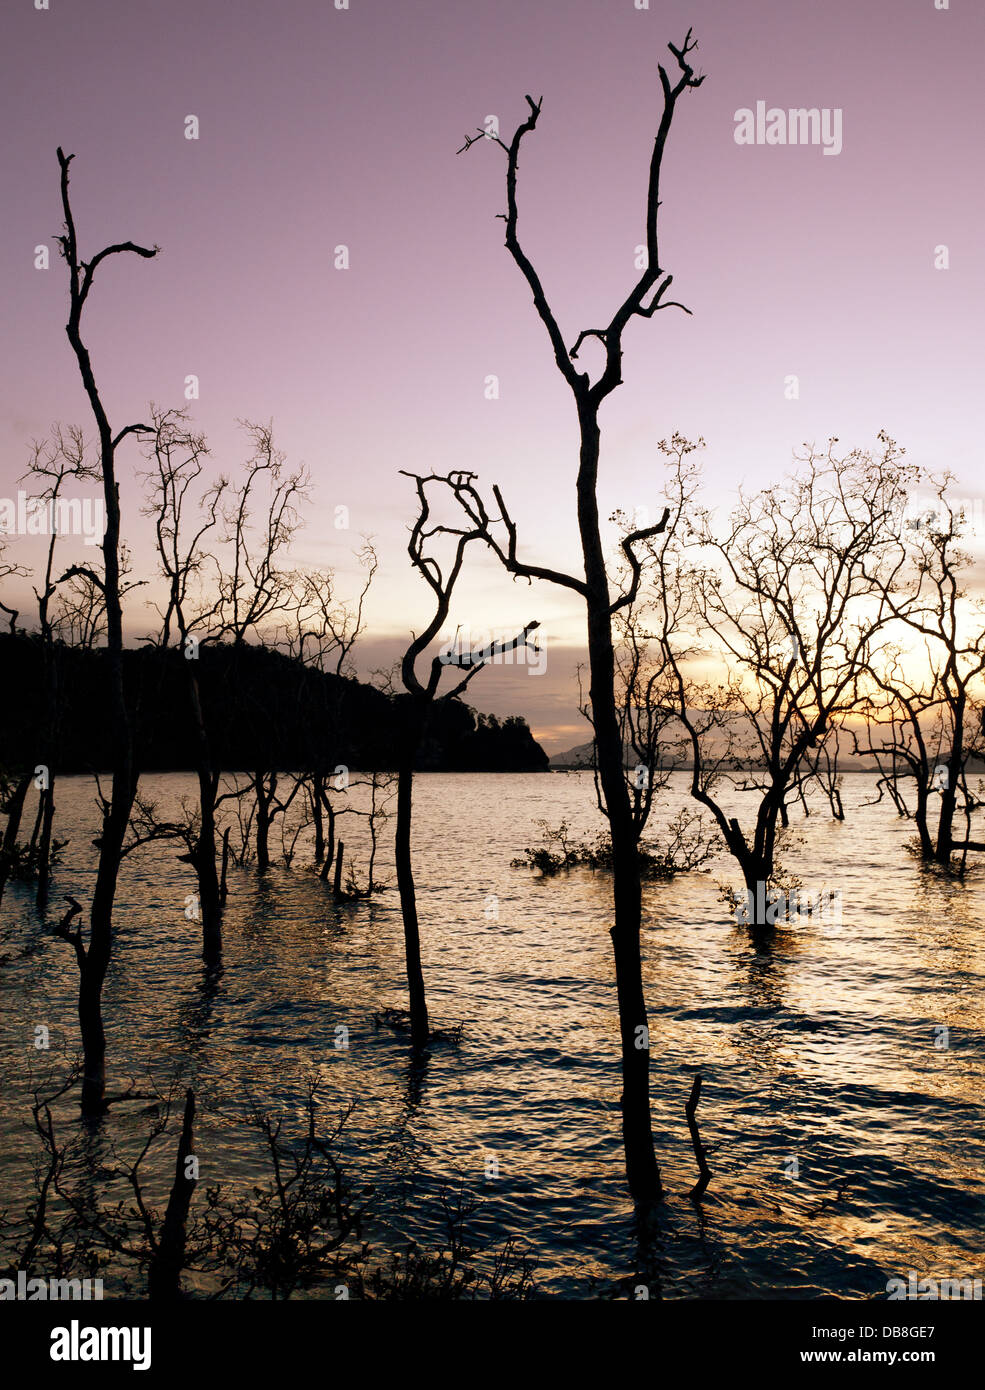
x: 699, y: 1149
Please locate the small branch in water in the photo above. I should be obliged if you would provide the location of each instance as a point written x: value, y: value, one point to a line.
x: 63, y: 929
x: 337, y: 887
x: 700, y: 1151
x: 223, y: 888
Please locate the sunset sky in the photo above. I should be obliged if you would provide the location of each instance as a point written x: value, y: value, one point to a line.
x: 320, y: 127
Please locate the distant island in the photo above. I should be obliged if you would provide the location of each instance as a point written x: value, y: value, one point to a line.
x: 582, y: 758
x: 262, y: 707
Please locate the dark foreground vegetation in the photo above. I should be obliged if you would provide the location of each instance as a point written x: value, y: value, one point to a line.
x: 301, y: 1230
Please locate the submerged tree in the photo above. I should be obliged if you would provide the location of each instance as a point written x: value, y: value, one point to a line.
x: 787, y: 598
x: 93, y: 957
x: 319, y: 633
x: 13, y: 795
x: 932, y: 719
x: 54, y: 462
x: 14, y: 782
x: 184, y: 513
x: 646, y: 297
x: 900, y: 715
x: 9, y: 571
x: 422, y: 695
x: 256, y: 588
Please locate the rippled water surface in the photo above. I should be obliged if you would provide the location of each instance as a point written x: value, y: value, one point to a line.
x: 821, y: 1056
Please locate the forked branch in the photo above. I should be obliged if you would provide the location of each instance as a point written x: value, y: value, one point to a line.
x: 652, y: 279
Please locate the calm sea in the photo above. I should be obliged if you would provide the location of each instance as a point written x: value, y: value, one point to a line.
x: 842, y: 1066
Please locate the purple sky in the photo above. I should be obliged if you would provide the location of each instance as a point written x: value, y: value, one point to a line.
x: 320, y: 127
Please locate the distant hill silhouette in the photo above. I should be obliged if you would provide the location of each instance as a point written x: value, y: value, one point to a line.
x: 581, y: 758
x: 262, y: 709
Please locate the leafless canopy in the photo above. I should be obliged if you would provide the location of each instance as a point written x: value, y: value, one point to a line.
x: 475, y: 527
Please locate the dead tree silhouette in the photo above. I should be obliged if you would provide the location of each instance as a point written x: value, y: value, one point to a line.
x: 423, y: 694
x: 54, y: 462
x: 789, y: 592
x: 935, y: 727
x: 177, y: 458
x: 642, y: 1171
x: 94, y: 958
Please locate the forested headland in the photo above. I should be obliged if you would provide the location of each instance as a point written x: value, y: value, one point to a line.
x: 261, y: 704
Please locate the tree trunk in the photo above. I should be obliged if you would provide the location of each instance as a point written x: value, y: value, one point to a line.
x: 48, y: 756
x: 329, y: 845
x: 921, y: 817
x: 47, y: 810
x: 642, y: 1172
x: 318, y: 815
x: 263, y: 821
x: 115, y: 820
x: 337, y: 884
x: 419, y: 1023
x: 15, y: 810
x: 116, y: 817
x: 164, y: 1283
x: 210, y: 898
x: 949, y: 794
x: 91, y: 977
x: 945, y: 825
x: 225, y: 866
